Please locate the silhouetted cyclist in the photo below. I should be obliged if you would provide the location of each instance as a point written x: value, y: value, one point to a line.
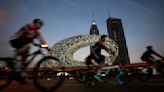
x: 148, y: 57
x: 96, y: 52
x: 22, y: 40
x: 96, y: 58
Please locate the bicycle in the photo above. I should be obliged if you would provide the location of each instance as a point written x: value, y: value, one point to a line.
x: 113, y: 71
x: 9, y: 68
x: 146, y: 72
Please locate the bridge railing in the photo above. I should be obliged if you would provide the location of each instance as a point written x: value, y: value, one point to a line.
x: 29, y: 71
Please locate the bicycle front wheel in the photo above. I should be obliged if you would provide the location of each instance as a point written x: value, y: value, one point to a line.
x: 48, y: 74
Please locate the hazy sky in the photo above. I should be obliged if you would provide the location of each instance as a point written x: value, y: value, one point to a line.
x: 142, y: 20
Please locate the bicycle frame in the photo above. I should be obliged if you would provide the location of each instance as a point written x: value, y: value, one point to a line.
x: 107, y: 69
x: 34, y: 54
x: 11, y: 61
x: 104, y: 73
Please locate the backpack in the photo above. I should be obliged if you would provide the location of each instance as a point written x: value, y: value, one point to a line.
x: 18, y: 40
x: 16, y: 43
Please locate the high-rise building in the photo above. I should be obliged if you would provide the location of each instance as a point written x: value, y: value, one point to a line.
x: 116, y: 32
x: 93, y: 30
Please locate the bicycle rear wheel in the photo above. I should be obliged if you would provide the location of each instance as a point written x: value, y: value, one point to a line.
x: 47, y: 74
x: 143, y: 74
x: 125, y: 77
x: 5, y: 72
x: 80, y: 75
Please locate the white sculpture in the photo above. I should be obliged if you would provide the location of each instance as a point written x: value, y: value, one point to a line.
x: 65, y: 49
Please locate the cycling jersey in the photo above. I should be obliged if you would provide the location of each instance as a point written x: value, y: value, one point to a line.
x: 148, y: 56
x: 30, y: 32
x: 97, y: 48
x: 26, y: 35
x: 96, y: 54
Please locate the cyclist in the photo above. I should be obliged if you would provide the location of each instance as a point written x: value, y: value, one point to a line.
x: 23, y: 38
x: 96, y: 57
x: 148, y: 57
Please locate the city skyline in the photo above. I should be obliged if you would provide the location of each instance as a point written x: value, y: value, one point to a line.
x: 142, y: 21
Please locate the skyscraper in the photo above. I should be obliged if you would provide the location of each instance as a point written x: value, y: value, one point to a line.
x: 116, y: 32
x: 93, y: 30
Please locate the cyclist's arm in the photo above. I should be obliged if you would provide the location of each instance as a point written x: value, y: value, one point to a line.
x: 40, y: 37
x: 157, y: 54
x: 107, y: 50
x: 42, y: 41
x: 93, y: 50
x: 94, y: 53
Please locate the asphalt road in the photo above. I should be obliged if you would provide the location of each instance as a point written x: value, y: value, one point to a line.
x: 155, y: 85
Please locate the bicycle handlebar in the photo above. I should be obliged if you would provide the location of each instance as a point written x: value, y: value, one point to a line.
x: 42, y: 46
x: 35, y: 44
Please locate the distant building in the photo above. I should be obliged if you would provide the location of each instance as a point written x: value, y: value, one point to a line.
x: 116, y: 32
x: 94, y: 30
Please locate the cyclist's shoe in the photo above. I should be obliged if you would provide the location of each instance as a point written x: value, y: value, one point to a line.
x: 98, y: 78
x: 119, y: 81
x: 92, y: 83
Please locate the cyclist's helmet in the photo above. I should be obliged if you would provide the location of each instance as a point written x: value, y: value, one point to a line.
x: 103, y: 36
x: 38, y: 21
x: 149, y: 47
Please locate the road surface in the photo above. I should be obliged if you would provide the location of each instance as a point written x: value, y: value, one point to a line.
x: 155, y: 85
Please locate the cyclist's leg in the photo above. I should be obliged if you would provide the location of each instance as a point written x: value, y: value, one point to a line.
x: 21, y: 64
x: 118, y: 78
x: 23, y: 52
x: 101, y: 63
x: 88, y: 62
x: 150, y: 70
x: 21, y: 55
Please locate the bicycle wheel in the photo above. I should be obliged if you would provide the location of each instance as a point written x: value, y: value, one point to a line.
x: 5, y: 73
x: 90, y: 79
x: 80, y: 75
x: 125, y: 77
x: 47, y: 74
x: 160, y: 69
x: 143, y: 74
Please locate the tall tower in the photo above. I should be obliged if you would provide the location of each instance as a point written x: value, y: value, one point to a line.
x: 93, y: 29
x: 116, y: 32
